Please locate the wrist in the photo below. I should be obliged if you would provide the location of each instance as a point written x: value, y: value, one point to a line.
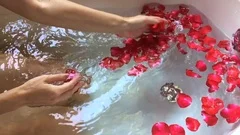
x: 122, y: 25
x: 18, y: 96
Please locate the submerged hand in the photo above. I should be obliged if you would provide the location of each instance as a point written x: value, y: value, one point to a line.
x: 41, y: 90
x: 137, y: 25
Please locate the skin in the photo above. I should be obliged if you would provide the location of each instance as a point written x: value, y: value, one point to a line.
x: 63, y: 13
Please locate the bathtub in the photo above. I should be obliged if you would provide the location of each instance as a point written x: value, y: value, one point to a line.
x: 225, y: 15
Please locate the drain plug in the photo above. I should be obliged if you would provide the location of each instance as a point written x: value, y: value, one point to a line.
x: 170, y: 91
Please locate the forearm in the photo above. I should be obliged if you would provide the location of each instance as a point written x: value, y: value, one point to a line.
x: 67, y: 14
x: 64, y: 13
x: 10, y: 101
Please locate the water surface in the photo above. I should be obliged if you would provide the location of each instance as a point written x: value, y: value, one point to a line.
x: 115, y: 104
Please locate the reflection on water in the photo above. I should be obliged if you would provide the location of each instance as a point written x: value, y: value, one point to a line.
x: 115, y: 104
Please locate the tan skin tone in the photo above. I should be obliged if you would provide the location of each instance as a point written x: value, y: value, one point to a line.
x: 64, y: 13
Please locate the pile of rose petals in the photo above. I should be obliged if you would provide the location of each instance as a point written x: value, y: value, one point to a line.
x: 149, y: 47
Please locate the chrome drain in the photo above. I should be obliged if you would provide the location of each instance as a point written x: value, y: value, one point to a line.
x: 170, y: 91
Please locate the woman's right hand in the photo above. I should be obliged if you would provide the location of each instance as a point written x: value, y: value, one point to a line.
x: 137, y: 25
x: 42, y: 91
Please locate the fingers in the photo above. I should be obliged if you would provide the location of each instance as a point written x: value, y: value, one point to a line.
x: 56, y: 78
x: 66, y: 95
x: 154, y: 20
x: 68, y: 85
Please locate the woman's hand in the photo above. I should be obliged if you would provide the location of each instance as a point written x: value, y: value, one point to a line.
x: 42, y: 91
x: 137, y: 25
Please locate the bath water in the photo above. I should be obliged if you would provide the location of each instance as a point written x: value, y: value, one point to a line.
x: 115, y: 104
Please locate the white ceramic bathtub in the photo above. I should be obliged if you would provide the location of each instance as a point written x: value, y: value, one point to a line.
x: 225, y: 14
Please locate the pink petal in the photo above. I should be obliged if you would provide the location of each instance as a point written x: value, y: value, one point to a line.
x: 175, y: 129
x: 184, y: 100
x: 201, y: 66
x: 190, y: 73
x: 211, y: 120
x: 160, y: 128
x: 192, y: 124
x: 224, y: 44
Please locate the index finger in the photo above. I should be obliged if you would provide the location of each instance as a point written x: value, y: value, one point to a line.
x: 68, y: 85
x: 56, y: 77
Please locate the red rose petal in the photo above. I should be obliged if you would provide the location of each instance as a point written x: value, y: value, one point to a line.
x: 226, y: 113
x: 196, y: 21
x: 209, y: 41
x: 213, y: 89
x: 233, y: 106
x: 180, y: 49
x: 190, y: 73
x: 160, y: 128
x: 211, y: 120
x: 157, y: 28
x: 231, y: 113
x: 205, y: 30
x: 184, y: 9
x: 234, y: 59
x: 211, y: 106
x: 185, y: 21
x: 220, y: 68
x: 125, y: 58
x: 161, y: 7
x: 116, y: 51
x: 154, y: 63
x: 194, y: 34
x: 233, y: 72
x: 115, y: 64
x: 106, y: 62
x: 173, y: 15
x: 192, y: 124
x: 218, y: 103
x: 163, y: 46
x: 130, y: 42
x: 70, y: 71
x: 171, y: 28
x: 181, y: 38
x: 184, y: 100
x: 175, y: 129
x: 215, y: 77
x: 213, y: 81
x: 232, y: 120
x: 224, y: 44
x: 140, y: 59
x: 201, y: 66
x: 137, y: 70
x: 71, y: 74
x: 231, y: 87
x: 212, y: 55
x: 195, y: 46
